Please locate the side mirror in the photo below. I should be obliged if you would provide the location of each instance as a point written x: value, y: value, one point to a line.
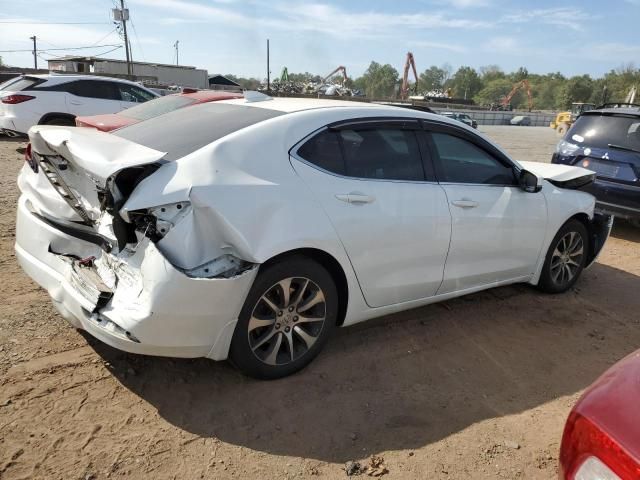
x: 530, y: 182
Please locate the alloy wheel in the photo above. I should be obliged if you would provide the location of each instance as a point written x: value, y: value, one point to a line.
x: 287, y: 320
x: 567, y: 257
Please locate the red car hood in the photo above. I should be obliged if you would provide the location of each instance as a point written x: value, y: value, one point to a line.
x: 105, y: 123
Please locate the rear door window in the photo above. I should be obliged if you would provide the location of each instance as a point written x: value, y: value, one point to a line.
x: 95, y: 89
x: 323, y: 150
x: 382, y: 153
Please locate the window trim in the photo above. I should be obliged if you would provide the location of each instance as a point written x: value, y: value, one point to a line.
x: 477, y: 141
x: 402, y: 123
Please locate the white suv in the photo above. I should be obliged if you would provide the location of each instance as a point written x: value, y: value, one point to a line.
x: 57, y: 99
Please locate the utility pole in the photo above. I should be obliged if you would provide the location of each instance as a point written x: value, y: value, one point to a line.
x: 35, y: 52
x: 175, y: 45
x: 124, y: 13
x: 268, y: 71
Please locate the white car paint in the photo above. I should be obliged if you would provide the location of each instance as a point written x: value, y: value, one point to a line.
x: 18, y: 118
x: 243, y: 200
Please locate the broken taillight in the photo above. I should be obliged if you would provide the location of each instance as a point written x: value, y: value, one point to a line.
x: 16, y: 98
x: 28, y: 157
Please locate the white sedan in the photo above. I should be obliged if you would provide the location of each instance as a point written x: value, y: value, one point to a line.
x: 249, y: 229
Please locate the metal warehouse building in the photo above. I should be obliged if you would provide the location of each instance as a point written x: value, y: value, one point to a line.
x: 149, y: 73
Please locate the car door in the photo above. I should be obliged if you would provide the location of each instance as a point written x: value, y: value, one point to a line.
x: 389, y: 213
x: 497, y: 228
x: 93, y: 97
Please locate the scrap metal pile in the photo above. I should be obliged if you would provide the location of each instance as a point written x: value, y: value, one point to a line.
x: 309, y: 88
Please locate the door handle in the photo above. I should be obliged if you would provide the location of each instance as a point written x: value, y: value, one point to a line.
x: 72, y: 102
x: 355, y: 197
x: 464, y: 203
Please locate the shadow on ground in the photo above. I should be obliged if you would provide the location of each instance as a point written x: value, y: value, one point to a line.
x: 406, y: 380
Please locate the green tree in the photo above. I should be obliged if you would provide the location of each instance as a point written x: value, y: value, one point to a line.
x: 491, y: 72
x: 466, y: 82
x: 493, y: 91
x: 576, y: 89
x: 520, y: 74
x: 433, y: 78
x: 378, y: 81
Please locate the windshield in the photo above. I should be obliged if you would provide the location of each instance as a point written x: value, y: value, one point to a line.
x: 157, y: 107
x: 602, y: 130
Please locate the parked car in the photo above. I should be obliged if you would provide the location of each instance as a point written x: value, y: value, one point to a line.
x: 158, y: 106
x: 57, y: 99
x: 601, y: 439
x: 521, y: 120
x: 461, y: 117
x: 251, y: 229
x: 607, y: 141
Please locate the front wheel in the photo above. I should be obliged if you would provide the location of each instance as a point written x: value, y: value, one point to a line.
x: 565, y: 259
x: 287, y: 318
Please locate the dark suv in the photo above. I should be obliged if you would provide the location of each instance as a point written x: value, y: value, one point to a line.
x: 607, y: 141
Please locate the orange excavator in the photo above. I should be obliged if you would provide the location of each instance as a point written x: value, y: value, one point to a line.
x: 339, y: 69
x: 523, y: 84
x: 404, y: 89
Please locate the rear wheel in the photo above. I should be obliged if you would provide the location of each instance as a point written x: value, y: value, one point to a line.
x: 566, y: 258
x: 287, y: 318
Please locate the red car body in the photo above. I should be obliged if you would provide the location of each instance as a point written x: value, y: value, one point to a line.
x: 601, y: 439
x: 153, y: 108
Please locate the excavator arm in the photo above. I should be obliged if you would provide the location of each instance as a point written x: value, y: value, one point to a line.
x: 523, y: 84
x: 410, y: 62
x: 341, y: 69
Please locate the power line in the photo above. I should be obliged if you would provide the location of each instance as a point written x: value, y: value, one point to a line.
x: 103, y: 38
x: 135, y: 32
x: 52, y: 23
x: 52, y: 56
x: 67, y: 48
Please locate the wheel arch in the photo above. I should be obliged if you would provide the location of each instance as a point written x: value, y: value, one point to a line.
x: 332, y: 265
x: 51, y: 115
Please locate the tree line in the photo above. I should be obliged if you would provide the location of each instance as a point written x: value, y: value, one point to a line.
x: 489, y: 84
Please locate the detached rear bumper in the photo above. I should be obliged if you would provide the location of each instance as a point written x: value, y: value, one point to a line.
x: 154, y: 309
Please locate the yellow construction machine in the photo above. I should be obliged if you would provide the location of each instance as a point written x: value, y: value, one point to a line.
x: 564, y: 120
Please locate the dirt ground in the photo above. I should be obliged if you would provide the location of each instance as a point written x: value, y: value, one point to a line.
x: 478, y: 387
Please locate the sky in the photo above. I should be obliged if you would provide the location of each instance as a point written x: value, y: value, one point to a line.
x: 229, y: 36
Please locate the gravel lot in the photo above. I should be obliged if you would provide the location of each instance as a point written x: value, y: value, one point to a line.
x: 478, y: 387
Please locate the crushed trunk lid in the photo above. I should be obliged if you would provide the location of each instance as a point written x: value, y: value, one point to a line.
x: 94, y: 172
x: 99, y: 154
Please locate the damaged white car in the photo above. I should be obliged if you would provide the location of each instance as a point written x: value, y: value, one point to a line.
x: 249, y: 229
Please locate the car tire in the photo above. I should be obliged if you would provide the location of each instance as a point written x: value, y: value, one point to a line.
x: 279, y: 333
x: 635, y: 222
x: 562, y: 128
x: 566, y: 258
x: 61, y: 121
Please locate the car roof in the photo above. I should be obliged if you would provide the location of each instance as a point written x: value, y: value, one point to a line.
x: 611, y: 110
x: 291, y: 105
x: 288, y: 105
x: 63, y: 78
